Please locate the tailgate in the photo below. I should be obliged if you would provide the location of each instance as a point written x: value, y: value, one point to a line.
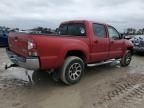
x: 18, y: 43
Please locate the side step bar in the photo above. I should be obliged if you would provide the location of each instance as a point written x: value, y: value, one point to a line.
x: 104, y: 62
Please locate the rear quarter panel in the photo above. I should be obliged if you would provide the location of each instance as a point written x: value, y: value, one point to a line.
x: 52, y: 49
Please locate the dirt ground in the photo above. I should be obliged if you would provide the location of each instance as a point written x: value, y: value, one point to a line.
x: 106, y: 86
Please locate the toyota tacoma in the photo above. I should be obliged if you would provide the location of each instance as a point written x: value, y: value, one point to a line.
x: 76, y: 44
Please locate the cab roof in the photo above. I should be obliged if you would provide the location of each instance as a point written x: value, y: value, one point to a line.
x: 80, y: 21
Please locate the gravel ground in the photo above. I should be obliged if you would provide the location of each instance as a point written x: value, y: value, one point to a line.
x: 106, y: 86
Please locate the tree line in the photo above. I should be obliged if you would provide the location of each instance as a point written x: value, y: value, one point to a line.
x: 43, y: 30
x: 133, y: 31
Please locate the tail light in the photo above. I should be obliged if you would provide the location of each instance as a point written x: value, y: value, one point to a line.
x: 32, y: 50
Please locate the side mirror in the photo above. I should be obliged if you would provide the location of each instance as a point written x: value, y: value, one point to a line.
x: 121, y: 36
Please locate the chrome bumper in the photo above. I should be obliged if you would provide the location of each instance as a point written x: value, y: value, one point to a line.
x: 31, y: 63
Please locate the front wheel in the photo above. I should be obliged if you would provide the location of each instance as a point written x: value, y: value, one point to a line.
x: 72, y: 70
x: 126, y: 59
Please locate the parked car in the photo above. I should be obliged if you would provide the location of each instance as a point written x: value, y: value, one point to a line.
x: 3, y: 39
x: 77, y: 43
x: 128, y: 37
x: 138, y: 42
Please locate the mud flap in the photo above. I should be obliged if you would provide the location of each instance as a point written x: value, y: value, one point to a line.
x: 29, y: 78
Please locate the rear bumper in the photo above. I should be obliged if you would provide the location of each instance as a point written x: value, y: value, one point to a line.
x: 31, y: 63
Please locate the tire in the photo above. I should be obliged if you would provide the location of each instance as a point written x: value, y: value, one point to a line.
x: 72, y: 70
x: 126, y: 59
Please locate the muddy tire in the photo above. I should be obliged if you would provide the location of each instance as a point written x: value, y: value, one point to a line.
x: 72, y: 70
x: 126, y: 59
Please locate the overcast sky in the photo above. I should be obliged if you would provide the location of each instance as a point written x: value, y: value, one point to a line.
x: 49, y: 13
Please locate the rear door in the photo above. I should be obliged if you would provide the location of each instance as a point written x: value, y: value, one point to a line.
x: 116, y: 43
x: 100, y: 43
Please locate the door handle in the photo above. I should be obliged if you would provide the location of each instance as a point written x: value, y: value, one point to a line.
x: 16, y: 38
x: 112, y: 42
x: 96, y: 41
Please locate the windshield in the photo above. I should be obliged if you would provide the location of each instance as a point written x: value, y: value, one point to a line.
x: 75, y: 29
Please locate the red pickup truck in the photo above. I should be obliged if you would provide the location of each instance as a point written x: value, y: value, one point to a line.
x: 77, y: 43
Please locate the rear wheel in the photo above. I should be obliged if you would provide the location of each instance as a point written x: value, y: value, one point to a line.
x: 126, y: 59
x: 72, y: 70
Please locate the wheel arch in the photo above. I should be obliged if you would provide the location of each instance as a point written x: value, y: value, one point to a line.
x: 77, y: 53
x: 130, y: 49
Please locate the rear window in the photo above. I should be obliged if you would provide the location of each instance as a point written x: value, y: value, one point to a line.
x: 75, y: 29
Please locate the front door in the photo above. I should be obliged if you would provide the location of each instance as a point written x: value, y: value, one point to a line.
x: 116, y: 43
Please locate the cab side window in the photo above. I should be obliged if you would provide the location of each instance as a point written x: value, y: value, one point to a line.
x: 99, y: 30
x: 113, y: 33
